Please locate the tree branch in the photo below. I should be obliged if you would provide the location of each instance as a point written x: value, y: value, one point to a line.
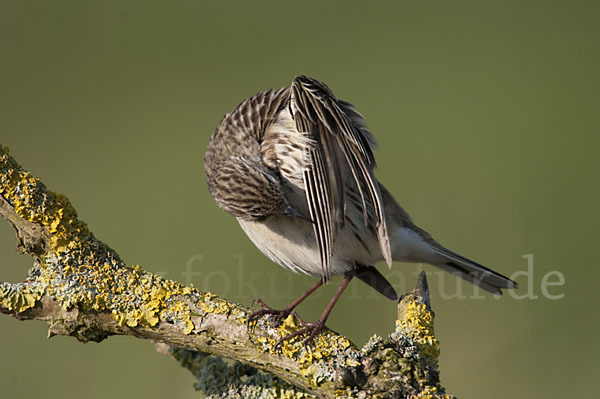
x: 82, y: 289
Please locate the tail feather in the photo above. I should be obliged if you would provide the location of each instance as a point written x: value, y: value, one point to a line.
x: 372, y: 277
x: 473, y: 272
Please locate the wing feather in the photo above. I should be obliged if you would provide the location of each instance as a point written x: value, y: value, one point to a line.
x: 342, y: 150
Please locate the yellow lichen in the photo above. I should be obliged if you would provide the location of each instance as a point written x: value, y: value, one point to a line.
x: 213, y: 304
x: 18, y: 300
x: 322, y: 346
x: 77, y: 269
x: 289, y: 323
x: 181, y: 314
x: 313, y: 358
x: 417, y: 323
x: 431, y: 393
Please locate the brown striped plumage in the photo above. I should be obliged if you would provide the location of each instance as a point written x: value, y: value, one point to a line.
x: 295, y: 167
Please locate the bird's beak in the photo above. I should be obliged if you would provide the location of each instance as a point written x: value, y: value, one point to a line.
x: 288, y: 210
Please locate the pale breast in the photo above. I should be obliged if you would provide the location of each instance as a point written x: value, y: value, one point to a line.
x: 290, y: 242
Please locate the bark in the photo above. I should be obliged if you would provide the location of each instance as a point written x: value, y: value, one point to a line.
x: 82, y: 289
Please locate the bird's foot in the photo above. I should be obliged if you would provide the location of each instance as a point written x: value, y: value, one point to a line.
x: 278, y: 314
x: 312, y: 329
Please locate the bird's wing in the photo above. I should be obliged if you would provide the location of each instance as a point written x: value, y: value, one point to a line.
x: 342, y: 149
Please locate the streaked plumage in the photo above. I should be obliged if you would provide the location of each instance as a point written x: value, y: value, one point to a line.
x: 295, y: 167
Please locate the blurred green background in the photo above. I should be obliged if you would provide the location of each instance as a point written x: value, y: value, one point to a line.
x: 487, y: 116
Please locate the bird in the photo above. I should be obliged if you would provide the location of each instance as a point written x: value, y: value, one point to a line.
x: 295, y: 167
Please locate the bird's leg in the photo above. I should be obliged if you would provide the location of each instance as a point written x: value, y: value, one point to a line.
x: 314, y: 328
x: 283, y: 313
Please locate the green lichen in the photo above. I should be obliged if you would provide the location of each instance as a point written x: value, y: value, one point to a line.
x: 222, y: 379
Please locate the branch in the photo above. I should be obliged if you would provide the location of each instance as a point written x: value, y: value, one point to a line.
x: 82, y: 289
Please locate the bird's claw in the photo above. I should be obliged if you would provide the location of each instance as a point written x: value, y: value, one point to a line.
x: 278, y: 315
x: 258, y: 301
x: 313, y: 329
